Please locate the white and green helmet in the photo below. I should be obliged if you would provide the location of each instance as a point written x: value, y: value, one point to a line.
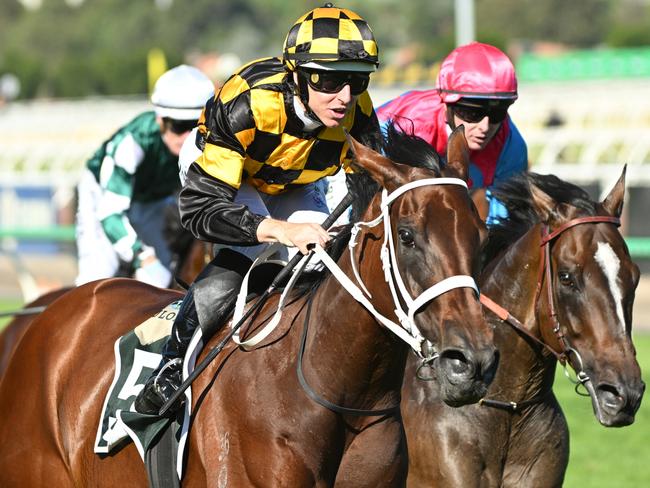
x: 181, y: 93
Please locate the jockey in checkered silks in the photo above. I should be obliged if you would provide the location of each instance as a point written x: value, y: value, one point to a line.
x: 252, y: 167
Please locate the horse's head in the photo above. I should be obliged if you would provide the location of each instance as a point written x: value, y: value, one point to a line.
x: 590, y: 284
x: 434, y: 241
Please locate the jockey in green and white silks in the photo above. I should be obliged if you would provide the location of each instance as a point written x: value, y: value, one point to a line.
x: 129, y: 181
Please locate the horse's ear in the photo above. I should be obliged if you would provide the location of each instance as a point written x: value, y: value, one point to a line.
x: 613, y: 202
x: 545, y: 205
x: 458, y: 152
x: 381, y: 169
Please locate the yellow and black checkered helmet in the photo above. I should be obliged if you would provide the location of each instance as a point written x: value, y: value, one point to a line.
x: 327, y: 34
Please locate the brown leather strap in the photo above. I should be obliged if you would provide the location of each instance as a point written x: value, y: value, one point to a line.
x: 582, y: 220
x: 505, y: 316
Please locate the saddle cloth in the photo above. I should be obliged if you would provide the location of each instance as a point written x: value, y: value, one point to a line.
x: 137, y: 354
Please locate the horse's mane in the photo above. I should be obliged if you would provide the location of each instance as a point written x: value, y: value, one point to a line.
x: 515, y: 195
x: 401, y: 147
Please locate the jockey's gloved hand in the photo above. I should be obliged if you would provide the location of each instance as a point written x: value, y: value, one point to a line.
x: 151, y: 270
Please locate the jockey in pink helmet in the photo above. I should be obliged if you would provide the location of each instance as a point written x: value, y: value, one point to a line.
x: 476, y: 85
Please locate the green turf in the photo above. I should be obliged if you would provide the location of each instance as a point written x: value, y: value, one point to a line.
x: 607, y: 457
x: 7, y: 305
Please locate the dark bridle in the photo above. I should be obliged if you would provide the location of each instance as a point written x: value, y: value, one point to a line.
x: 564, y: 356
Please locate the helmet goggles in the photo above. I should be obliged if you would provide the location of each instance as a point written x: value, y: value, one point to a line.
x: 335, y: 81
x: 179, y: 126
x: 475, y: 111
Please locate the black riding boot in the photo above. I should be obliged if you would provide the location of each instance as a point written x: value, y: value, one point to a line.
x: 208, y: 302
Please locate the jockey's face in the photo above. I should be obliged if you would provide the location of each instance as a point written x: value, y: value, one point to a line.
x: 332, y: 94
x: 481, y: 121
x: 174, y: 133
x: 331, y: 108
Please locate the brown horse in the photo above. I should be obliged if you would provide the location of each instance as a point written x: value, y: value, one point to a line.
x: 254, y: 423
x: 573, y: 289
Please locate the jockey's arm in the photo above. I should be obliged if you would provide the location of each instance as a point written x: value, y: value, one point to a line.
x: 208, y: 210
x: 116, y: 182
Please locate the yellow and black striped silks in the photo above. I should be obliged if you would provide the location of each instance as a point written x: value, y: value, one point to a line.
x: 250, y: 132
x: 330, y: 34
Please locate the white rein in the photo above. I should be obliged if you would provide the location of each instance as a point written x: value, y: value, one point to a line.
x: 406, y: 329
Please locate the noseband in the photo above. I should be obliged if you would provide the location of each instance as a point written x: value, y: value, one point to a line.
x: 567, y: 351
x: 406, y: 330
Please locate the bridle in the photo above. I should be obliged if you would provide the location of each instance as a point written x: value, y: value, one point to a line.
x: 547, y: 237
x: 406, y: 329
x: 567, y: 352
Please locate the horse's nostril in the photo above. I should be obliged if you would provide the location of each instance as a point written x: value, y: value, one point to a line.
x: 456, y: 363
x: 610, y: 397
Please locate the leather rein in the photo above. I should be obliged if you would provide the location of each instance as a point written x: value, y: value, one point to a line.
x: 567, y: 351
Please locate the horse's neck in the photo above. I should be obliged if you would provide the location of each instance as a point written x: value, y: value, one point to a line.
x: 351, y: 352
x: 512, y: 283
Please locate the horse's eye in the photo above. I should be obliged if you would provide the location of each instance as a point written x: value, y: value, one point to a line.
x: 566, y: 279
x: 406, y: 237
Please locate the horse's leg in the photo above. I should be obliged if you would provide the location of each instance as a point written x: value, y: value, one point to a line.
x: 376, y: 457
x: 539, y: 452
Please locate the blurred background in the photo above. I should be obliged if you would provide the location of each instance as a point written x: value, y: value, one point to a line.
x: 73, y: 71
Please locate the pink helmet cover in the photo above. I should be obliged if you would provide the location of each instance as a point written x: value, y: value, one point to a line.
x: 477, y: 70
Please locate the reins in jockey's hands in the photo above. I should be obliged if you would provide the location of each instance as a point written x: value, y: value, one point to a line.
x: 292, y: 234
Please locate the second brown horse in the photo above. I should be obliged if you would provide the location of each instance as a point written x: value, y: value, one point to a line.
x: 567, y: 276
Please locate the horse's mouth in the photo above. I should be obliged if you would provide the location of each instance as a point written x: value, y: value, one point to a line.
x: 615, y: 406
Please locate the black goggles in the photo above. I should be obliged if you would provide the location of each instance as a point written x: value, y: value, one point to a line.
x: 180, y: 126
x: 475, y: 113
x: 334, y: 81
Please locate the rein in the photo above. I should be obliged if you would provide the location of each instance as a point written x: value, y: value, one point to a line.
x: 406, y: 330
x: 567, y: 351
x: 322, y: 401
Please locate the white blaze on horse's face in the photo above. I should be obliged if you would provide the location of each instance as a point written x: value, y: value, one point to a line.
x: 610, y: 264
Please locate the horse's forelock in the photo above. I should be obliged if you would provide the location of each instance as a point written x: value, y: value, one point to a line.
x: 402, y: 146
x: 515, y: 195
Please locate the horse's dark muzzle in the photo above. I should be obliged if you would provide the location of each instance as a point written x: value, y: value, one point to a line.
x: 466, y: 375
x: 619, y: 402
